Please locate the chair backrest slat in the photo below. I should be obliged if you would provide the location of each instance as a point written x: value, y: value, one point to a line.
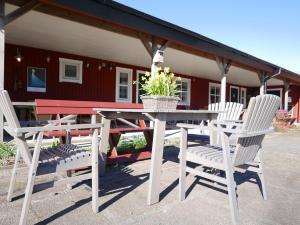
x: 13, y: 122
x: 259, y: 115
x: 231, y: 110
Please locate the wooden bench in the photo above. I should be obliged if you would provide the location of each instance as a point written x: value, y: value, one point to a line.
x: 68, y: 107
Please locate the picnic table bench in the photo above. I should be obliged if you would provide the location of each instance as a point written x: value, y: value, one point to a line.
x: 71, y: 107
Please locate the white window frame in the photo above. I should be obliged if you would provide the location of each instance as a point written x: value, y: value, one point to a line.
x: 129, y: 72
x: 188, y: 101
x: 245, y: 100
x: 234, y: 87
x: 211, y: 84
x: 277, y: 89
x: 77, y: 63
x: 138, y: 73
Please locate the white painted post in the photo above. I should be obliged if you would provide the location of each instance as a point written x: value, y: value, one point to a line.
x: 223, y: 87
x: 2, y: 43
x: 286, y: 94
x: 223, y: 66
x: 262, y: 87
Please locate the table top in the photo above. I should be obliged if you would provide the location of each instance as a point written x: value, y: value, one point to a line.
x: 183, y: 111
x: 23, y: 103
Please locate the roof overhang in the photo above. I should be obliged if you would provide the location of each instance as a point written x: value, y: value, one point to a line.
x: 119, y: 18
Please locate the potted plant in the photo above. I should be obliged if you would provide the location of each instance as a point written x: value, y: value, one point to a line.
x: 160, y: 89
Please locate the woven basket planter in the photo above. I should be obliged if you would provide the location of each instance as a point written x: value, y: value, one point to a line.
x: 160, y: 102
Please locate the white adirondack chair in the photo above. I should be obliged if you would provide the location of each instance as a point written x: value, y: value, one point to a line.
x: 250, y: 134
x: 50, y: 160
x: 231, y: 110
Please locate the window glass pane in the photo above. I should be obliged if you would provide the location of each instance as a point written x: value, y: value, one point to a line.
x: 70, y: 71
x: 184, y: 96
x: 124, y: 78
x: 184, y: 86
x: 217, y: 99
x: 212, y: 90
x: 217, y: 91
x: 123, y: 92
x: 212, y: 99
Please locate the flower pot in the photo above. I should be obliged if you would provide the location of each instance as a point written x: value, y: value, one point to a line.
x: 160, y: 102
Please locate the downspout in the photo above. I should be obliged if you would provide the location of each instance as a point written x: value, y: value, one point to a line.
x: 270, y: 77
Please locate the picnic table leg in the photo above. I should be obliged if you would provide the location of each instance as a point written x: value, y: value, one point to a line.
x: 104, y: 145
x: 95, y: 172
x: 156, y: 159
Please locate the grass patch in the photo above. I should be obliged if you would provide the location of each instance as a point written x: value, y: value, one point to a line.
x: 126, y: 144
x: 6, y: 152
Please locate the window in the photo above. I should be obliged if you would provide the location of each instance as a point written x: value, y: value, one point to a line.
x: 214, y: 93
x: 70, y: 70
x: 123, y: 84
x: 184, y: 91
x: 139, y: 83
x: 243, y: 97
x: 234, y: 94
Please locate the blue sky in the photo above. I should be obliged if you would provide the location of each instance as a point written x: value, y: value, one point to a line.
x: 267, y: 29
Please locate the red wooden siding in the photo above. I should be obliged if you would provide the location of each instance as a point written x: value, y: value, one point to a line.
x: 97, y: 85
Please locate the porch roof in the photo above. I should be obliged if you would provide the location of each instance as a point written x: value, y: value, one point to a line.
x: 119, y: 18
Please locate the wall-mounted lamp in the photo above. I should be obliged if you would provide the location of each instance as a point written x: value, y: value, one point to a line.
x: 48, y: 59
x: 87, y: 65
x: 101, y: 65
x: 18, y: 56
x: 111, y: 66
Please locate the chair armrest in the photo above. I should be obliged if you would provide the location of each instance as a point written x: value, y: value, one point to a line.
x: 232, y: 128
x: 22, y: 130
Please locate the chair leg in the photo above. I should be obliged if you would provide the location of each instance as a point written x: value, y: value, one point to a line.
x: 231, y: 186
x: 13, y: 178
x: 182, y: 166
x: 261, y: 175
x: 30, y: 182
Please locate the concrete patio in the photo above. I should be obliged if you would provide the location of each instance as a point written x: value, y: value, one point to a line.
x: 124, y: 192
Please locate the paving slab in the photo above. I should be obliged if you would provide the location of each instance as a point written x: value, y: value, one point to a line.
x: 124, y: 189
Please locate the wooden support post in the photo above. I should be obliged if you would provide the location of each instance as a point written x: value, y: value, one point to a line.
x: 263, y: 82
x: 152, y: 47
x: 223, y: 66
x: 286, y: 94
x: 2, y: 43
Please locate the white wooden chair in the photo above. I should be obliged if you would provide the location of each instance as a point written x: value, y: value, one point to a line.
x: 250, y: 134
x: 50, y: 160
x: 230, y: 110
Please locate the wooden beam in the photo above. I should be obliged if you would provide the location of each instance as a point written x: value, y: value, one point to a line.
x: 146, y: 44
x: 263, y: 82
x: 164, y: 45
x: 223, y: 66
x: 21, y: 11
